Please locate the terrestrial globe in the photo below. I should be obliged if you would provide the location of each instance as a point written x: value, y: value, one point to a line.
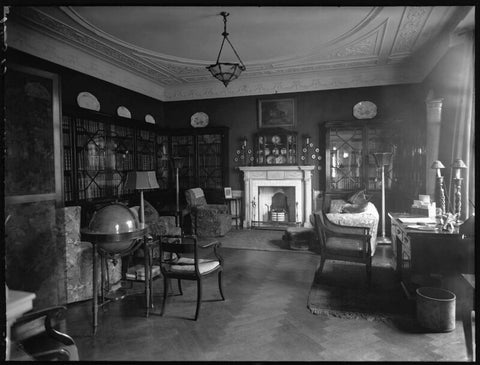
x: 114, y: 228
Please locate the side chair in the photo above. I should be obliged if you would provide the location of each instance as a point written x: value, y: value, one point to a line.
x: 174, y: 265
x: 345, y: 243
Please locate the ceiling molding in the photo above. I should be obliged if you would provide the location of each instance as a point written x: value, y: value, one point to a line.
x: 379, y: 46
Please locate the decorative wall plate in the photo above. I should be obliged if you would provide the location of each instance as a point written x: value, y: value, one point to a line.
x: 199, y: 120
x: 276, y: 139
x: 365, y: 110
x: 88, y: 101
x: 123, y: 112
x: 149, y: 119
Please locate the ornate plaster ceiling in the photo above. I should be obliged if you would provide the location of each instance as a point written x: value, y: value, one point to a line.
x: 163, y: 51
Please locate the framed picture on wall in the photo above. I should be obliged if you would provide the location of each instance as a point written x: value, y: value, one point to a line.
x: 276, y: 113
x: 228, y: 192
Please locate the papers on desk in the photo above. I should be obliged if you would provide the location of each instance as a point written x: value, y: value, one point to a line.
x: 418, y: 220
x: 422, y: 227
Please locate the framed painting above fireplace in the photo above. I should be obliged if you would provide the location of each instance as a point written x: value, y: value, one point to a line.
x: 276, y: 113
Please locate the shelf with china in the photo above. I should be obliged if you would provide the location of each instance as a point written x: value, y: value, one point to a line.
x: 276, y: 146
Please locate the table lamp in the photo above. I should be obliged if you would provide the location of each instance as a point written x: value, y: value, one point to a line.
x: 141, y: 180
x: 457, y: 166
x: 439, y: 190
x: 383, y: 159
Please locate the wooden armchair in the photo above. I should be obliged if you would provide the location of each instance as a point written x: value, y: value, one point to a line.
x: 345, y: 243
x: 37, y: 334
x: 174, y: 265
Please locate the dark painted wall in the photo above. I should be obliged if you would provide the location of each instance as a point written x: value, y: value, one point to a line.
x: 394, y: 102
x: 109, y: 95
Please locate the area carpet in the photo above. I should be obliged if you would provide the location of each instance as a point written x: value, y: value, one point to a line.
x: 341, y: 291
x: 257, y: 239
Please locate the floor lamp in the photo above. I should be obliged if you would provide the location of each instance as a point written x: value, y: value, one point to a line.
x: 177, y: 165
x: 141, y: 180
x: 383, y: 159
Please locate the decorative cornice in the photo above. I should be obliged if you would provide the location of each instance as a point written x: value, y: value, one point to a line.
x: 413, y: 20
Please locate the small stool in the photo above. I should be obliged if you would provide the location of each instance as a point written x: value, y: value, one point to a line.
x: 299, y: 238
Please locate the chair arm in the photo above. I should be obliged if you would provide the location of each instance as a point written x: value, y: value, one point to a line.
x: 362, y: 234
x: 49, y: 312
x: 338, y: 228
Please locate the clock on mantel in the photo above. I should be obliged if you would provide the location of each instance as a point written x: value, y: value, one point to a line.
x: 275, y: 146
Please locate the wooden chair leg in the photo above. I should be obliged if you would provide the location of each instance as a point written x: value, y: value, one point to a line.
x: 369, y: 271
x: 220, y: 284
x: 165, y: 292
x: 199, y: 297
x: 180, y: 287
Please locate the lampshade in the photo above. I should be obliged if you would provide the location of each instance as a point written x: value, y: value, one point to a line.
x: 226, y: 71
x: 459, y: 164
x: 383, y: 158
x: 141, y: 180
x: 177, y: 162
x: 437, y: 165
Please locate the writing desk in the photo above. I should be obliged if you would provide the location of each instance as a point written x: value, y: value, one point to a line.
x: 420, y: 255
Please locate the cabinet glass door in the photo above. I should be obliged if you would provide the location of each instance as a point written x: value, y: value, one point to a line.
x: 210, y: 161
x: 183, y: 146
x: 379, y: 140
x: 346, y: 162
x: 163, y: 159
x: 121, y: 157
x: 145, y: 150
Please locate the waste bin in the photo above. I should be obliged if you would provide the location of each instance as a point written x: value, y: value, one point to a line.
x: 436, y: 309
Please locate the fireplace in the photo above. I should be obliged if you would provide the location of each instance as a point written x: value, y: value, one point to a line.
x: 277, y: 195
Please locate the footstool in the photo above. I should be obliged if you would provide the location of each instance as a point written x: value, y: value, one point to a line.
x: 300, y: 238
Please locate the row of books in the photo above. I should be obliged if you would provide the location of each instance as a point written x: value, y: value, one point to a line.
x: 68, y: 189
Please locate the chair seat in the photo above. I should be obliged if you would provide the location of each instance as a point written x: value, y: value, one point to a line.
x: 345, y: 246
x: 186, y: 265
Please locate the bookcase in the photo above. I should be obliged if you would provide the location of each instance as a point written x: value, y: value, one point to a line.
x: 99, y: 150
x: 349, y: 161
x: 204, y: 152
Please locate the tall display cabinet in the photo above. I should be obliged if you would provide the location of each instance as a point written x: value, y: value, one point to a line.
x: 204, y: 152
x: 350, y: 165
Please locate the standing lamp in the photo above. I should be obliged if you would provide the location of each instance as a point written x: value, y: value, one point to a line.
x: 457, y: 166
x: 177, y: 165
x: 383, y: 159
x: 141, y: 180
x: 439, y: 190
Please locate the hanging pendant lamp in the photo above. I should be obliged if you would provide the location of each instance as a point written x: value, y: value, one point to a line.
x: 226, y: 71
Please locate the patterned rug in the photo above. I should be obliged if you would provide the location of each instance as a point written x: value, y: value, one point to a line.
x: 341, y: 291
x: 257, y: 239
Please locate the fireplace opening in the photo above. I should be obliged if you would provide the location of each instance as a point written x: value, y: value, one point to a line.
x: 277, y: 205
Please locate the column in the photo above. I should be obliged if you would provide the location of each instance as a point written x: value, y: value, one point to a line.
x: 307, y: 183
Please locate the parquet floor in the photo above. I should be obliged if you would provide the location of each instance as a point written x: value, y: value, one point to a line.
x: 264, y: 318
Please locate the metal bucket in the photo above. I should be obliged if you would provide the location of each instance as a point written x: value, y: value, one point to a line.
x: 436, y: 309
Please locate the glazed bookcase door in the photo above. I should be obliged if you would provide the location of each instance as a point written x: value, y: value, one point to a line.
x: 102, y: 153
x: 68, y: 161
x: 145, y: 150
x: 121, y: 157
x: 209, y: 166
x: 163, y: 158
x: 184, y: 146
x: 380, y: 140
x: 344, y: 157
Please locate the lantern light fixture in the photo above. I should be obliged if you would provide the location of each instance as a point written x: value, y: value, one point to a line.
x: 226, y: 71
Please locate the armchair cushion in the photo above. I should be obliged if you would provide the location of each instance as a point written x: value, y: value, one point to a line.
x: 355, y: 208
x: 368, y: 218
